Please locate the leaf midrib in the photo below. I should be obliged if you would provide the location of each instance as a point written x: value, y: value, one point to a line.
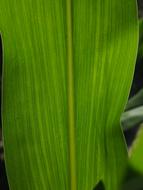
x: 71, y: 100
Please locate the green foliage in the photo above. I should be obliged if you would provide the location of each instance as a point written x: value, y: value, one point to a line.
x: 133, y: 115
x: 136, y: 152
x: 68, y: 67
x: 133, y: 118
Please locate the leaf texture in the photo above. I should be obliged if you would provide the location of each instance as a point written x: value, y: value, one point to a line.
x: 68, y: 66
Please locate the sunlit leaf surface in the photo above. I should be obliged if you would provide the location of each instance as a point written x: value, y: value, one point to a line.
x: 68, y: 66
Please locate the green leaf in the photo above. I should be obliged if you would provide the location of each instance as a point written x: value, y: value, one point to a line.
x: 68, y: 67
x: 132, y: 118
x: 135, y: 101
x: 133, y: 115
x: 136, y: 152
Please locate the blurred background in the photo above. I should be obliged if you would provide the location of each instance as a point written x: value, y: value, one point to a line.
x: 131, y: 120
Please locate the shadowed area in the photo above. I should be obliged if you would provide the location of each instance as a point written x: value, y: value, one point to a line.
x: 99, y: 186
x: 3, y: 178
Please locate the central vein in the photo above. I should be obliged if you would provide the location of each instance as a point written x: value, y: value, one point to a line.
x: 71, y: 101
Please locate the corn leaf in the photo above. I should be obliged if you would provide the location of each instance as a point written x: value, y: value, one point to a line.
x: 135, y: 101
x: 68, y: 66
x: 136, y: 152
x: 132, y: 118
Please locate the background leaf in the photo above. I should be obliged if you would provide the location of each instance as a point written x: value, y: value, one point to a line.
x: 100, y: 44
x: 136, y: 152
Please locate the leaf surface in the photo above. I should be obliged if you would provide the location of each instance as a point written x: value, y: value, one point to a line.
x: 68, y: 67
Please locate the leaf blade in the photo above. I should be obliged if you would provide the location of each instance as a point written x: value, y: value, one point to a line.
x: 35, y: 90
